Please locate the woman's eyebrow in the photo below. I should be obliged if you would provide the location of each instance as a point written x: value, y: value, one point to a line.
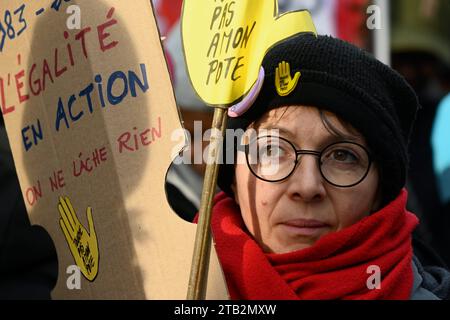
x: 323, y: 141
x: 280, y: 130
x: 333, y: 138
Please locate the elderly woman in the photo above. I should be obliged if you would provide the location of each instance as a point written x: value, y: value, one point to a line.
x: 314, y: 205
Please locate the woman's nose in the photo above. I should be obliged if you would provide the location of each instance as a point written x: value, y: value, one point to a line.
x: 306, y: 182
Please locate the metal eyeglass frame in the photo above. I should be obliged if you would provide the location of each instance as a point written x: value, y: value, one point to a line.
x: 317, y: 154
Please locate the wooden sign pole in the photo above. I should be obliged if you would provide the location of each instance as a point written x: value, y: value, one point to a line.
x: 202, y: 247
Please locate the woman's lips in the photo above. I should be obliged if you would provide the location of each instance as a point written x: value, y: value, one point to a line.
x: 304, y: 227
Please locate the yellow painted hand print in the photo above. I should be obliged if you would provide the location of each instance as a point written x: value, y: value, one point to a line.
x: 225, y: 41
x: 83, y: 244
x: 284, y: 83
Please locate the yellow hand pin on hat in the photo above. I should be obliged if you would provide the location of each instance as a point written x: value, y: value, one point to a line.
x: 284, y: 82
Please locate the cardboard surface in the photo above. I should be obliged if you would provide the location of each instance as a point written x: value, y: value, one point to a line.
x: 89, y: 114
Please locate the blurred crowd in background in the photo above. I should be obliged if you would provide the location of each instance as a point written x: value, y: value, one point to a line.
x: 420, y: 51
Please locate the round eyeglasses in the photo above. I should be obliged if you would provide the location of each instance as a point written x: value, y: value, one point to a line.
x: 342, y: 164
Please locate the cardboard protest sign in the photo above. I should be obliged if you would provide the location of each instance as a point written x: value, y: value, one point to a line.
x: 89, y: 110
x: 225, y: 42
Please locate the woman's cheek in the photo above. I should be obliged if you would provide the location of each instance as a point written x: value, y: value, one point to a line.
x: 351, y: 209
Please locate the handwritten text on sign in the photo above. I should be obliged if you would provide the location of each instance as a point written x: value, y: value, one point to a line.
x: 68, y: 110
x: 14, y: 22
x: 86, y: 163
x: 52, y: 79
x: 225, y: 41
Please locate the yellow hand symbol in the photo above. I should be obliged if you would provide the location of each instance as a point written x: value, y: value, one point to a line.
x: 283, y: 80
x: 82, y: 244
x: 225, y: 41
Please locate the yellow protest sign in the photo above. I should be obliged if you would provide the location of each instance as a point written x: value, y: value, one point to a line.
x: 225, y: 41
x: 89, y: 110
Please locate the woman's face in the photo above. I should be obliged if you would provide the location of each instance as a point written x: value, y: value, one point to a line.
x: 294, y: 213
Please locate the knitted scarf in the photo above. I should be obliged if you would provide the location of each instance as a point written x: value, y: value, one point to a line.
x: 340, y: 265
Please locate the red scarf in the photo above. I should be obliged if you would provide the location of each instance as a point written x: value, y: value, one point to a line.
x: 335, y: 267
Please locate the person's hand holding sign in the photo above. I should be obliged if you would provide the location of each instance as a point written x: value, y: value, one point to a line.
x: 283, y: 79
x: 82, y: 244
x: 225, y: 42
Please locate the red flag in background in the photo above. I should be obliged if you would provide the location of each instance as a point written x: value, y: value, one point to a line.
x: 167, y: 13
x: 344, y: 19
x: 351, y: 22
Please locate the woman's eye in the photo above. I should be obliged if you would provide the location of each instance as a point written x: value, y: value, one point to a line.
x: 270, y: 150
x: 343, y: 156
